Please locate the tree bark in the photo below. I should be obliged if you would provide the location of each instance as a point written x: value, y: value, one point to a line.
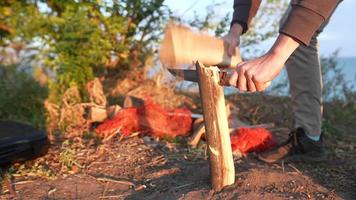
x: 222, y: 168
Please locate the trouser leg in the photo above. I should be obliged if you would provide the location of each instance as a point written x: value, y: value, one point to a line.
x: 304, y: 73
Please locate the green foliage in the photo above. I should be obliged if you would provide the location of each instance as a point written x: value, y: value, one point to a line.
x: 339, y: 118
x: 340, y: 98
x: 21, y: 97
x: 37, y: 168
x: 77, y: 40
x: 67, y: 156
x: 335, y: 87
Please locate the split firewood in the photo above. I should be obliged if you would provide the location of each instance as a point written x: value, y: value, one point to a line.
x: 199, y: 128
x: 193, y: 141
x: 96, y: 92
x: 96, y: 114
x: 197, y: 122
x: 199, y: 132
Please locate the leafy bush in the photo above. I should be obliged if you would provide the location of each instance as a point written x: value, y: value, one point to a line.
x: 78, y: 40
x: 339, y: 96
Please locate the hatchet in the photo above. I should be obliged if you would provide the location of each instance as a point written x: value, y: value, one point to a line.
x: 181, y: 45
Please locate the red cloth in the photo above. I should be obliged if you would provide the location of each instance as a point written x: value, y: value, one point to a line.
x: 151, y: 119
x: 252, y: 140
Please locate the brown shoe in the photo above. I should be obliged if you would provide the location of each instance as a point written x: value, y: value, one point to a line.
x: 297, y: 148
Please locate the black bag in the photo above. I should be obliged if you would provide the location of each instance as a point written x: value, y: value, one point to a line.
x: 20, y: 142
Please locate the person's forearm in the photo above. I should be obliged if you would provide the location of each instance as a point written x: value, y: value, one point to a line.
x: 283, y: 47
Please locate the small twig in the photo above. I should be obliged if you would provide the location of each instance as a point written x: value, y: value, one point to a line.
x: 106, y: 188
x: 22, y: 182
x: 112, y: 135
x: 159, y: 160
x: 115, y: 181
x: 140, y: 187
x: 9, y: 185
x: 134, y: 134
x: 206, y: 152
x: 121, y: 138
x: 51, y: 191
x: 276, y: 165
x: 283, y: 166
x: 110, y: 197
x: 185, y: 185
x: 297, y: 170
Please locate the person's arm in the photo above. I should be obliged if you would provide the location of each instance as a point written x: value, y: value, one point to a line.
x: 303, y: 21
x: 306, y: 17
x: 255, y: 75
x: 244, y: 11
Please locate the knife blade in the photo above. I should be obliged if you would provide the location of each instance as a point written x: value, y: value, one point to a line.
x: 191, y: 75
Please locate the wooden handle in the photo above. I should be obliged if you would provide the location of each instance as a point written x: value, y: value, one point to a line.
x: 225, y: 81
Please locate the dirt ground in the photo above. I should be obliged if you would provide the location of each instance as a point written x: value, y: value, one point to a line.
x: 140, y: 167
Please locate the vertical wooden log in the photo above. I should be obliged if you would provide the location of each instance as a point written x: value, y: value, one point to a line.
x: 217, y: 131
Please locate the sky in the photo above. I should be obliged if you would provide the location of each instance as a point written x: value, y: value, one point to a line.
x: 339, y: 34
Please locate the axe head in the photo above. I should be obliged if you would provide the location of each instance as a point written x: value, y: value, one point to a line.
x: 183, y: 46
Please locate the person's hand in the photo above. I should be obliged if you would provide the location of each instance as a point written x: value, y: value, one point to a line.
x: 255, y: 75
x: 233, y: 38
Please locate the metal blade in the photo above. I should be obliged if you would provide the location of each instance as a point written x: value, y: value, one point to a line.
x: 186, y: 74
x: 191, y: 75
